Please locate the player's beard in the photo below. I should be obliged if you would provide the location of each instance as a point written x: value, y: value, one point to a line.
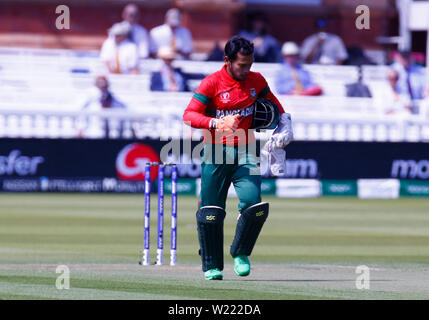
x: 239, y: 76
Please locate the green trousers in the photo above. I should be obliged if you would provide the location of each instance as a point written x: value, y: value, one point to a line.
x: 223, y: 165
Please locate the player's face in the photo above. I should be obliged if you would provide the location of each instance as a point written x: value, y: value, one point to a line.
x: 240, y: 68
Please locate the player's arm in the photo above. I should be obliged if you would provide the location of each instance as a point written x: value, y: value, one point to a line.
x: 283, y: 134
x: 195, y: 113
x: 267, y: 94
x: 281, y: 137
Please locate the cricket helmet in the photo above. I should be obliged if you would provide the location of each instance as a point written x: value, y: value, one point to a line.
x: 266, y: 114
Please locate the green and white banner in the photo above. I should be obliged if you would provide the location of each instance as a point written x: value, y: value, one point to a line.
x: 414, y: 188
x: 339, y: 188
x: 185, y: 186
x: 362, y: 188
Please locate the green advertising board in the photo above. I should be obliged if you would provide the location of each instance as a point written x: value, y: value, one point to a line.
x: 339, y: 188
x: 184, y: 186
x: 268, y: 187
x: 414, y: 188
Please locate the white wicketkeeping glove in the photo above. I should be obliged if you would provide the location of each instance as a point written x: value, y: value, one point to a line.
x: 274, y: 157
x: 283, y: 134
x: 273, y: 151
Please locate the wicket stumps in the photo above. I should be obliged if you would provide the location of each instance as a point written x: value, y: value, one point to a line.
x: 160, y: 243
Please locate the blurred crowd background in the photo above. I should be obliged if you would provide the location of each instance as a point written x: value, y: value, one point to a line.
x: 338, y: 81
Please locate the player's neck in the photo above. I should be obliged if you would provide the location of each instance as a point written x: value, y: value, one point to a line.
x: 230, y: 73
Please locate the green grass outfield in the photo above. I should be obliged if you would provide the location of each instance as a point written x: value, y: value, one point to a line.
x: 308, y: 249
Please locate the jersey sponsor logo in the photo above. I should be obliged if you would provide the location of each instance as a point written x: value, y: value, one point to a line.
x: 243, y: 112
x: 225, y: 97
x: 132, y: 159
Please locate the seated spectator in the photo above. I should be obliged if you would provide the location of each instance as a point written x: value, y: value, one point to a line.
x: 170, y: 78
x: 216, y: 54
x: 412, y: 77
x: 266, y: 47
x: 397, y: 103
x: 118, y: 53
x: 323, y: 47
x: 358, y: 89
x: 100, y: 99
x: 138, y: 33
x: 172, y: 34
x: 292, y: 78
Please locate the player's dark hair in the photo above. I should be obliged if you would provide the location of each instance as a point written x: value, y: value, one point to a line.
x: 237, y: 45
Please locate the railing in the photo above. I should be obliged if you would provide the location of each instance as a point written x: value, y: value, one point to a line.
x: 71, y: 124
x: 168, y: 124
x: 393, y: 130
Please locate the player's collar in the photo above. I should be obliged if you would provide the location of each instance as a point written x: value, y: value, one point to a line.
x: 227, y: 78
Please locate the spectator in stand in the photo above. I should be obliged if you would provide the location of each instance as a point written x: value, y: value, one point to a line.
x: 358, y: 89
x: 101, y: 98
x: 292, y: 79
x: 397, y: 103
x: 323, y: 47
x: 216, y: 54
x: 170, y: 78
x: 412, y: 77
x: 172, y: 34
x: 118, y: 53
x: 138, y: 33
x: 266, y: 46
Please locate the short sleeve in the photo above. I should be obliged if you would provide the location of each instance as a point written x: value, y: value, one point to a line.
x: 187, y: 41
x: 153, y: 39
x: 142, y: 41
x: 341, y: 49
x: 306, y: 47
x: 106, y: 50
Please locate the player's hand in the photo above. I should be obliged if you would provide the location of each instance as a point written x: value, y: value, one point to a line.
x: 283, y: 134
x: 274, y: 157
x: 228, y: 123
x: 281, y: 140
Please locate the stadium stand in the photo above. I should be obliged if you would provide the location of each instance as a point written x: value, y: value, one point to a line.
x: 41, y: 94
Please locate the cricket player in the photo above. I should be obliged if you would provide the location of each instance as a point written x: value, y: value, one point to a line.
x: 224, y: 105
